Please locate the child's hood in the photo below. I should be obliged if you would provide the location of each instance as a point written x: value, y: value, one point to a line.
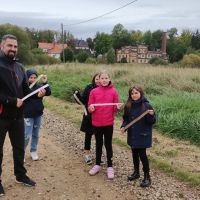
x: 30, y: 72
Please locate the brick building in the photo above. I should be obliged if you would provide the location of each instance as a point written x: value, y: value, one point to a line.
x: 140, y: 53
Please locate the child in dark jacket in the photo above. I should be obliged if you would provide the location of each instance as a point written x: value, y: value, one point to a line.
x: 103, y: 103
x: 86, y: 125
x: 33, y: 111
x: 140, y: 133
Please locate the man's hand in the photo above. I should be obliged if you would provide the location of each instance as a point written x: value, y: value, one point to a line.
x: 19, y: 103
x: 42, y: 92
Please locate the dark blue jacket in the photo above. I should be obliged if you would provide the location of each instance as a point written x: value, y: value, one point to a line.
x: 140, y: 133
x: 34, y: 107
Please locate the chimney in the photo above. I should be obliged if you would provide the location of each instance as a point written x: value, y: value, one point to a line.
x: 164, y: 42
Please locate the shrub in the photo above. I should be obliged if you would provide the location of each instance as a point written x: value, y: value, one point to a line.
x: 91, y: 60
x: 42, y: 59
x: 191, y: 60
x: 69, y: 55
x: 82, y: 57
x: 53, y: 60
x: 157, y: 61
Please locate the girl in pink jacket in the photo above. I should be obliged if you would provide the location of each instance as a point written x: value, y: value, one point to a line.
x: 103, y: 103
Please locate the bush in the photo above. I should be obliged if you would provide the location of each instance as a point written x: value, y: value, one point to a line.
x: 82, y: 57
x: 42, y: 59
x: 191, y: 60
x: 53, y: 60
x: 157, y: 61
x: 69, y: 55
x: 91, y: 60
x: 101, y: 59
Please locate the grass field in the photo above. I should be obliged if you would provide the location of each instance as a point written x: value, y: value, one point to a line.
x: 173, y: 92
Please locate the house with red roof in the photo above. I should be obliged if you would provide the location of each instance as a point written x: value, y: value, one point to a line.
x: 52, y: 49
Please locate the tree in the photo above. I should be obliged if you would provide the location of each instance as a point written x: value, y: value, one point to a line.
x: 102, y: 43
x: 136, y: 37
x: 46, y: 36
x: 111, y: 56
x: 69, y: 55
x: 146, y: 38
x: 177, y: 46
x: 120, y: 37
x: 186, y: 37
x: 176, y: 50
x: 172, y: 33
x: 156, y: 41
x: 195, y: 41
x: 90, y: 43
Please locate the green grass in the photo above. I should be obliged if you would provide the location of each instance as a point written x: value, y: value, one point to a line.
x: 185, y: 176
x: 119, y: 142
x: 173, y: 92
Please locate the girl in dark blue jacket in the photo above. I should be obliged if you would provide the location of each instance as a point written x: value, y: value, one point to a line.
x: 140, y: 133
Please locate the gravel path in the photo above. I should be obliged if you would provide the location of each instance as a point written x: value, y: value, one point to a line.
x: 163, y: 187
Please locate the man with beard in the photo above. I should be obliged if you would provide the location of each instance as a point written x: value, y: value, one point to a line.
x: 13, y: 87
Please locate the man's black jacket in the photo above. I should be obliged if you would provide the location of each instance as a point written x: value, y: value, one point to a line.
x: 13, y: 85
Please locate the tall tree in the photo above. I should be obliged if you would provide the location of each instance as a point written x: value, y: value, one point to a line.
x: 120, y: 36
x: 146, y: 38
x: 90, y: 43
x: 136, y: 37
x: 46, y: 36
x: 102, y: 43
x: 156, y: 41
x: 195, y: 41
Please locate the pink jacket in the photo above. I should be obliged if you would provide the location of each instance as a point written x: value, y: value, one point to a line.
x: 103, y: 115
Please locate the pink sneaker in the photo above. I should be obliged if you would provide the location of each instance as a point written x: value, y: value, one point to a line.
x: 110, y: 173
x: 95, y: 170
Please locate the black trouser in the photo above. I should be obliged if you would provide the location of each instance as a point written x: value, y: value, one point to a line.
x: 15, y: 129
x: 104, y: 133
x: 140, y: 154
x: 88, y: 138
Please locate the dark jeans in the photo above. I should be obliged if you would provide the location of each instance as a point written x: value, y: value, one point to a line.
x: 88, y: 138
x: 140, y: 154
x: 105, y: 134
x: 15, y: 129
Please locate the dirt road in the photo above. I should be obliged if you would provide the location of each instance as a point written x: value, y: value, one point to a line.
x: 62, y: 175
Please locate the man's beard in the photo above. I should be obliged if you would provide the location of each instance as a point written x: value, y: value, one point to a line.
x: 11, y: 54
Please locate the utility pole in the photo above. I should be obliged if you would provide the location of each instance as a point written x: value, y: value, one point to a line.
x: 62, y: 32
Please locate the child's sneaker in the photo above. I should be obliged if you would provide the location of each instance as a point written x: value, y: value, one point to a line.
x: 95, y: 170
x: 2, y: 193
x: 34, y: 156
x: 110, y: 173
x: 88, y: 159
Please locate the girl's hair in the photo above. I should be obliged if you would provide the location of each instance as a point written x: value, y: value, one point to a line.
x: 104, y: 72
x: 95, y: 75
x: 129, y: 101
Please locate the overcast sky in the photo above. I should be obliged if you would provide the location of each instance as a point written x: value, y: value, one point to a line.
x: 141, y: 15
